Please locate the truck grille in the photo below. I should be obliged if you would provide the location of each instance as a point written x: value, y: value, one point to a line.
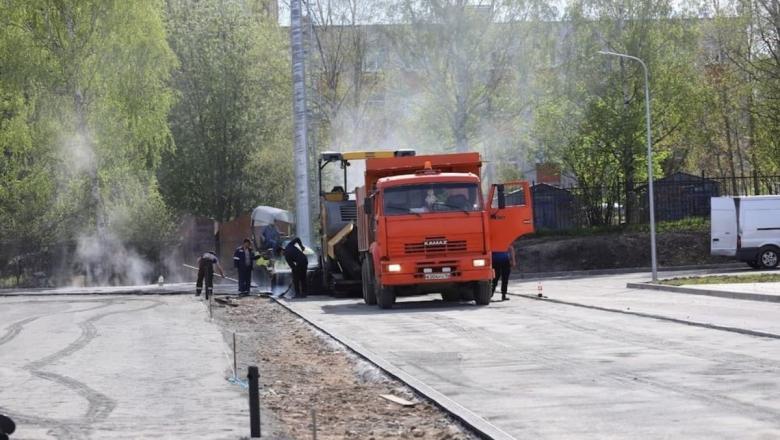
x: 348, y: 212
x: 435, y: 245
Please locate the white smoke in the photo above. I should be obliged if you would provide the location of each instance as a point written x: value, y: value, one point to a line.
x: 107, y: 261
x: 77, y: 156
x: 101, y: 256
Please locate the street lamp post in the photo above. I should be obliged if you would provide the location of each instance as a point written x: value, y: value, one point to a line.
x: 650, y: 198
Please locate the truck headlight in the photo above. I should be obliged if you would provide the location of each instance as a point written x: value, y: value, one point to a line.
x: 393, y: 267
x: 479, y: 262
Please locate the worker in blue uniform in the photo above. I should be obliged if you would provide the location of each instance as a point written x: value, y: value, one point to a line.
x: 243, y: 260
x: 503, y: 262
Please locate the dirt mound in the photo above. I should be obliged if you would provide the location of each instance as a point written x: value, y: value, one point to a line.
x: 613, y: 251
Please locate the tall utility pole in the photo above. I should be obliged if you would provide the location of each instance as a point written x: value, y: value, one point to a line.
x: 650, y: 196
x: 301, y: 151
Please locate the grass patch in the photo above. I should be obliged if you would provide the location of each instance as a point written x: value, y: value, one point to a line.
x: 724, y: 279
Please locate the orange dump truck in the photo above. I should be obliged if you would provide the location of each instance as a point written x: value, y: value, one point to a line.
x: 421, y: 225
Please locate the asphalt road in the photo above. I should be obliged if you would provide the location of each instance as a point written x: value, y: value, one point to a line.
x: 77, y: 367
x: 593, y: 366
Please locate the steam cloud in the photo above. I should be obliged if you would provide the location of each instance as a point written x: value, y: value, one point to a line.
x: 100, y: 256
x: 107, y: 261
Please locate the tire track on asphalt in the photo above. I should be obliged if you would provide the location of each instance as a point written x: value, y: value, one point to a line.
x: 100, y: 405
x: 59, y: 429
x: 14, y: 329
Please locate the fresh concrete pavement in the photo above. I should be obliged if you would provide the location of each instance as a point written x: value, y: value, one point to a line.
x: 91, y: 366
x: 584, y: 367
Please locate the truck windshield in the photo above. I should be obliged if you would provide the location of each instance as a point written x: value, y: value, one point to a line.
x: 438, y: 197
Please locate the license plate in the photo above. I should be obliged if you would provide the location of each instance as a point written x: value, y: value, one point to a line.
x: 437, y: 276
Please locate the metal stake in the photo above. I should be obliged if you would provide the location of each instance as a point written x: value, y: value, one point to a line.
x: 313, y: 424
x: 254, y: 401
x: 235, y: 364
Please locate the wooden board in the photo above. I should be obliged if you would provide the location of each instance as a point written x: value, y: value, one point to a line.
x: 396, y: 399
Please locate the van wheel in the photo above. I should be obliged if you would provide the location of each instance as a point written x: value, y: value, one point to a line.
x: 385, y: 297
x: 369, y: 291
x: 754, y: 264
x: 768, y: 257
x: 483, y: 290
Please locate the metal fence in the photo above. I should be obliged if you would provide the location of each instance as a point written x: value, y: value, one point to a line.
x: 25, y: 265
x: 677, y: 197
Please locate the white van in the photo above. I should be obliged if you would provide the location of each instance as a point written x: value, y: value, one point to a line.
x: 747, y: 228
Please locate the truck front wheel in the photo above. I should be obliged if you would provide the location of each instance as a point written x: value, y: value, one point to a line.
x: 385, y: 296
x: 369, y: 291
x: 483, y: 290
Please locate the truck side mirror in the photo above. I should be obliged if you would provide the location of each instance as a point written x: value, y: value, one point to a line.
x: 501, y: 196
x: 368, y: 205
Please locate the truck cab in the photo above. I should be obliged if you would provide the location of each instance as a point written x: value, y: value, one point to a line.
x: 423, y: 226
x: 429, y: 230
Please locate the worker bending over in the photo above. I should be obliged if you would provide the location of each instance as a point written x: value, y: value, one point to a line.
x: 298, y: 263
x: 206, y: 263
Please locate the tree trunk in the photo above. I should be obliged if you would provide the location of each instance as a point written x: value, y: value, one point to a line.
x: 459, y: 128
x: 730, y: 146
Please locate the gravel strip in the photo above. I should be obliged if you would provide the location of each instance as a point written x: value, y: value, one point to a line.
x: 302, y: 370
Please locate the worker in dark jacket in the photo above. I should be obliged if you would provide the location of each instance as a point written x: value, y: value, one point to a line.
x: 206, y: 263
x: 298, y: 262
x: 243, y: 260
x: 503, y: 262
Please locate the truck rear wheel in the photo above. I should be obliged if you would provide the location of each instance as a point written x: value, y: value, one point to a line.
x: 483, y: 290
x: 385, y: 296
x: 369, y: 291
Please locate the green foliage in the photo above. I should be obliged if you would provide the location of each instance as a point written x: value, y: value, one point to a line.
x: 592, y: 119
x: 27, y: 185
x: 143, y: 219
x: 507, y: 172
x: 232, y: 124
x: 465, y: 70
x: 84, y: 102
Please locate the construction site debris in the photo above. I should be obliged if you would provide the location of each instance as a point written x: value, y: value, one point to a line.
x: 399, y: 400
